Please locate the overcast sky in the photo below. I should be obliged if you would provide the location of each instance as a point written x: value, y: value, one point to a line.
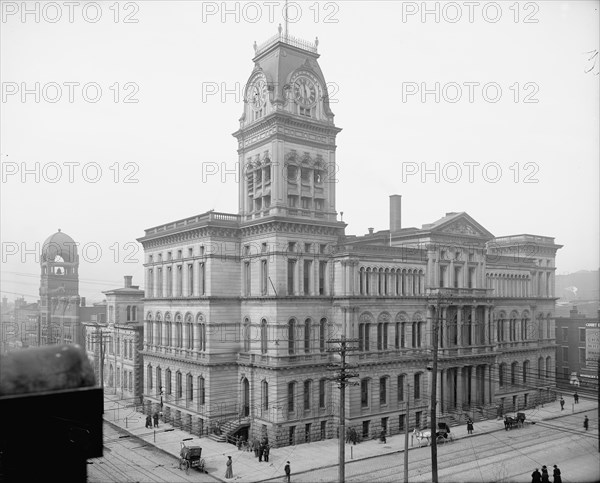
x: 514, y: 97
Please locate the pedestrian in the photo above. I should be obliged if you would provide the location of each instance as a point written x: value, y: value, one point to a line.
x: 562, y: 403
x: 238, y: 442
x: 382, y: 436
x: 229, y: 472
x: 545, y: 477
x: 155, y: 417
x: 149, y: 421
x: 261, y: 450
x: 469, y: 426
x: 556, y: 474
x: 576, y: 397
x: 586, y: 423
x: 255, y: 447
x: 536, y: 476
x: 266, y: 452
x: 288, y: 472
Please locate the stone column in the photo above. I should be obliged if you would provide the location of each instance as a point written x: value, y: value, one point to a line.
x: 451, y: 274
x: 486, y: 325
x: 487, y: 381
x: 474, y: 326
x: 474, y: 385
x: 459, y: 325
x: 460, y: 388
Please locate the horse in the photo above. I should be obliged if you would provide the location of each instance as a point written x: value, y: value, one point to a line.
x: 420, y: 435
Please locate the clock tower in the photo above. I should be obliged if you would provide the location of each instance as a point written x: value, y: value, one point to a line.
x: 286, y: 140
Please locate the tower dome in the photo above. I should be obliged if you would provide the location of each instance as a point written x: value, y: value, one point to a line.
x: 59, y: 245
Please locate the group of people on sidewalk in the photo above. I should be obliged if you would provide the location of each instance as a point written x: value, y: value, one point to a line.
x: 543, y: 477
x: 154, y: 418
x: 229, y: 470
x: 575, y: 401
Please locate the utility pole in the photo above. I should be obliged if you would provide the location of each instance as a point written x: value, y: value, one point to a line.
x: 342, y: 377
x: 434, y: 343
x: 406, y: 433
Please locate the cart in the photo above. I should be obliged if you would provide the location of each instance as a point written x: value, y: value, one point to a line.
x: 191, y: 457
x: 443, y: 433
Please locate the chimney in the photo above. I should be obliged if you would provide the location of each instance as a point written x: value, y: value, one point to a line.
x: 573, y: 311
x: 83, y: 301
x: 395, y: 213
x: 128, y: 281
x: 371, y: 231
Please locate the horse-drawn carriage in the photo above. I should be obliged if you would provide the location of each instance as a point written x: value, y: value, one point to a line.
x: 443, y: 434
x: 191, y: 457
x: 518, y: 421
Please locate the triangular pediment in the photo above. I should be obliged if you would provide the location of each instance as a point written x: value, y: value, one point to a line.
x: 460, y: 224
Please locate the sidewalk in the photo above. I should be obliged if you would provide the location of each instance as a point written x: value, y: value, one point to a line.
x: 302, y: 457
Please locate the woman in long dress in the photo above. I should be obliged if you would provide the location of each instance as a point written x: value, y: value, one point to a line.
x: 229, y: 472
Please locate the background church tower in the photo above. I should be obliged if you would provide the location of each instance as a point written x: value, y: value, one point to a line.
x: 59, y: 291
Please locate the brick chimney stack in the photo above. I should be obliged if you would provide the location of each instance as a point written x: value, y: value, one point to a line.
x: 395, y: 213
x: 128, y: 279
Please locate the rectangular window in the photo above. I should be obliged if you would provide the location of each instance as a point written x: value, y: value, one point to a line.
x: 264, y: 275
x: 323, y: 429
x: 291, y: 276
x: 291, y: 388
x: 565, y: 334
x: 442, y: 276
x: 292, y: 436
x: 322, y: 269
x: 581, y: 335
x: 418, y: 419
x: 307, y: 430
x: 401, y: 388
x: 307, y: 276
x: 364, y: 393
x: 202, y: 279
x: 247, y: 279
x: 322, y: 393
x: 384, y: 424
x: 457, y: 273
x: 190, y: 279
x: 307, y: 395
x: 565, y: 354
x: 159, y: 283
x: 417, y: 385
x: 383, y: 390
x: 582, y: 357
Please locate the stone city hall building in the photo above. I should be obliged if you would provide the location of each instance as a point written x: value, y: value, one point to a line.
x: 239, y: 307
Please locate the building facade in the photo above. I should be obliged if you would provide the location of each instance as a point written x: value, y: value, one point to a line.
x: 239, y: 308
x: 115, y: 344
x: 577, y: 352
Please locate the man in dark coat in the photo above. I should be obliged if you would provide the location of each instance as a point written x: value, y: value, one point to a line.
x: 545, y: 477
x: 536, y: 476
x: 576, y: 397
x: 266, y: 451
x: 288, y: 472
x: 261, y: 451
x: 155, y: 420
x: 556, y: 474
x: 149, y: 421
x: 586, y: 423
x: 562, y: 403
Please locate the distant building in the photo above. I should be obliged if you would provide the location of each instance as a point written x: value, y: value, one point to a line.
x: 19, y: 324
x: 121, y: 335
x: 577, y: 351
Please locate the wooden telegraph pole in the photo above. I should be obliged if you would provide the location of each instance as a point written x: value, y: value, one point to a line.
x: 342, y: 377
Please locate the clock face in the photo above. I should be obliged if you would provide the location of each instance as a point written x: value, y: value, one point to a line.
x: 305, y: 91
x: 258, y: 94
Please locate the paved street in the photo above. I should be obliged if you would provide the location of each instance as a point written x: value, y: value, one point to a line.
x: 498, y: 456
x: 490, y: 454
x: 127, y: 458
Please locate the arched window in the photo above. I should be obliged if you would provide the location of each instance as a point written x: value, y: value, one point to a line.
x: 149, y: 377
x: 263, y: 336
x: 159, y: 382
x: 322, y: 333
x: 128, y: 311
x: 134, y: 312
x: 307, y: 329
x: 189, y: 387
x: 307, y: 394
x: 513, y: 373
x: 291, y: 396
x: 168, y: 381
x: 246, y: 334
x: 364, y: 392
x: 501, y: 375
x: 540, y: 373
x: 401, y: 382
x: 265, y: 395
x: 291, y: 336
x: 201, y: 391
x: 525, y: 371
